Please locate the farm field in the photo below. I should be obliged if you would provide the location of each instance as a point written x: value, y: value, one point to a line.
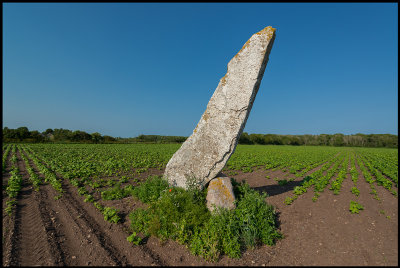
x: 72, y: 204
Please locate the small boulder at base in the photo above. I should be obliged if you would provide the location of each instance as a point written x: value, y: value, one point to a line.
x: 220, y: 193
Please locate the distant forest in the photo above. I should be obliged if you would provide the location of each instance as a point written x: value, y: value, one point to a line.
x: 23, y: 135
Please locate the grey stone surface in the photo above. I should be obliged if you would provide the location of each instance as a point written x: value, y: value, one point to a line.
x: 220, y: 193
x: 204, y: 154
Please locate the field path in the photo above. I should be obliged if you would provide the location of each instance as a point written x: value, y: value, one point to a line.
x: 30, y: 239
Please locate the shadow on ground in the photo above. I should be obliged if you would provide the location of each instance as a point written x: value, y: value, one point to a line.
x: 277, y: 189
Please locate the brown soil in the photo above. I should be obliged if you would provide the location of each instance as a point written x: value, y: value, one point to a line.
x: 68, y: 231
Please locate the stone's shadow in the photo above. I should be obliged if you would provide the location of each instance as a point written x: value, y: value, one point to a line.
x: 278, y: 219
x: 277, y: 189
x: 123, y: 216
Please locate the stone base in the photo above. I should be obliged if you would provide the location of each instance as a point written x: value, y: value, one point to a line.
x: 220, y: 193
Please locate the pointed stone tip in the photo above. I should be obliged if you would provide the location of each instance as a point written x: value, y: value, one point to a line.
x: 266, y: 30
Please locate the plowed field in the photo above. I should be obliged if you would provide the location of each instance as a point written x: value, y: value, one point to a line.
x: 46, y: 229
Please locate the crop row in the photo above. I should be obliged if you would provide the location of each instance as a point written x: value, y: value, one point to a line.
x: 14, y: 183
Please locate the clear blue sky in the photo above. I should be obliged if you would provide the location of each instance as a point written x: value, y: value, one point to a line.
x: 124, y: 69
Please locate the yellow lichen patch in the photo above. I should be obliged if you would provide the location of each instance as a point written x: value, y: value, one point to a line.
x: 223, y: 80
x: 218, y: 186
x: 195, y: 130
x: 267, y: 30
x: 206, y: 116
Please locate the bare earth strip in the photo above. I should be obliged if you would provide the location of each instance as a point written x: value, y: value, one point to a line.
x: 29, y: 244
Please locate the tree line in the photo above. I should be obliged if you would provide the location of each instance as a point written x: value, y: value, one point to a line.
x: 60, y: 135
x: 355, y: 140
x: 22, y: 134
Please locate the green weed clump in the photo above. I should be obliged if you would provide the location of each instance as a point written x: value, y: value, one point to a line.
x: 182, y: 215
x: 117, y: 192
x: 150, y: 190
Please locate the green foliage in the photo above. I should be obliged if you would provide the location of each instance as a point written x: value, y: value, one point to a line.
x: 82, y: 190
x: 289, y: 200
x: 88, y: 198
x: 183, y: 216
x: 134, y: 239
x: 355, y: 207
x: 174, y: 210
x: 247, y: 169
x: 111, y: 215
x: 123, y: 179
x: 282, y: 182
x: 355, y: 191
x: 150, y: 190
x: 10, y: 206
x: 98, y: 206
x: 14, y: 183
x: 299, y: 190
x: 117, y: 192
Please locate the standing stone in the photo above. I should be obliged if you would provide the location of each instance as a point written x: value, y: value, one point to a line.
x: 204, y: 154
x: 220, y: 193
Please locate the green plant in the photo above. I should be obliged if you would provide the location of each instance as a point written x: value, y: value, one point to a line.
x: 10, y: 205
x: 282, y: 182
x: 299, y: 190
x: 123, y: 179
x: 151, y: 189
x: 183, y: 216
x: 134, y: 239
x: 82, y: 190
x: 98, y: 206
x: 75, y: 182
x: 355, y: 191
x: 355, y: 207
x: 89, y: 198
x: 111, y: 215
x: 117, y: 192
x: 247, y: 169
x: 288, y: 200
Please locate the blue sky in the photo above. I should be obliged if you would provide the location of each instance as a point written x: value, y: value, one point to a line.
x: 125, y: 69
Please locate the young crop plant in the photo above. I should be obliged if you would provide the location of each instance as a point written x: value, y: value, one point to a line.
x: 10, y: 206
x: 289, y: 200
x: 98, y: 206
x: 355, y: 191
x: 299, y: 190
x: 282, y: 182
x: 14, y: 183
x: 88, y: 198
x: 355, y: 207
x: 82, y: 190
x: 33, y: 177
x: 182, y: 215
x: 315, y: 197
x: 48, y: 174
x: 123, y: 179
x: 380, y: 179
x: 134, y: 239
x: 5, y: 155
x: 111, y: 215
x: 384, y: 161
x: 369, y: 179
